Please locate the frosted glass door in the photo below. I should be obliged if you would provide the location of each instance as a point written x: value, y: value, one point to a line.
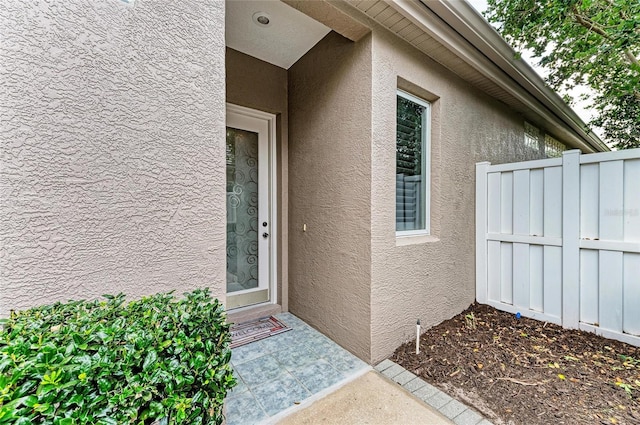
x: 242, y: 210
x: 248, y: 221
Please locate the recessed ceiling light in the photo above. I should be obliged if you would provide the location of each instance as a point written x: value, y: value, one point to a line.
x: 262, y: 19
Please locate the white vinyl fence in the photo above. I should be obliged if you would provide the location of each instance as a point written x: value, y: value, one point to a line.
x: 559, y: 240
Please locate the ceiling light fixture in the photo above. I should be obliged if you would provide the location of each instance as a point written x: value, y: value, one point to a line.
x: 261, y: 19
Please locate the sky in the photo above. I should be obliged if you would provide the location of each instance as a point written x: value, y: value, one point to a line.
x: 580, y: 107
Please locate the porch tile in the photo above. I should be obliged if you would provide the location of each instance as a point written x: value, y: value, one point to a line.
x: 296, y: 356
x: 279, y: 394
x: 291, y: 321
x: 318, y: 375
x: 342, y: 360
x: 247, y: 352
x: 276, y: 372
x: 244, y: 410
x: 278, y: 342
x: 259, y: 370
x: 324, y: 346
x: 240, y: 387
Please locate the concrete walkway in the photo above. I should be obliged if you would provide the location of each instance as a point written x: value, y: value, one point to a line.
x: 387, y: 395
x: 370, y: 399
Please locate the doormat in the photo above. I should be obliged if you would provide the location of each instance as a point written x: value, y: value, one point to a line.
x: 244, y: 333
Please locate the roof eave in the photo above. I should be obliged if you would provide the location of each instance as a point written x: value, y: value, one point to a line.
x: 490, y: 54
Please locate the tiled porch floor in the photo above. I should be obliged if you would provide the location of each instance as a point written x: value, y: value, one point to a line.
x: 281, y: 371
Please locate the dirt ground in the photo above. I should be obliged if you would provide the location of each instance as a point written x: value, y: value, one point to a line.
x: 522, y: 371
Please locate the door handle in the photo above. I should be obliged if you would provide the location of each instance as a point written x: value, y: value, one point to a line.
x: 265, y: 235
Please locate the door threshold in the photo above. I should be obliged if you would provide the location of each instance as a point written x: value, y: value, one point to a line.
x: 246, y: 314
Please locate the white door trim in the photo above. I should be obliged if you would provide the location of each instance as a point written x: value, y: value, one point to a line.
x: 272, y: 196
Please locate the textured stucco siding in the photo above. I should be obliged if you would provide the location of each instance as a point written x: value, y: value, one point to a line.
x: 432, y: 279
x: 330, y: 190
x: 260, y: 85
x: 111, y: 149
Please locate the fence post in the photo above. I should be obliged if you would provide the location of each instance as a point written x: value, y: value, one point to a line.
x: 481, y: 231
x: 571, y: 239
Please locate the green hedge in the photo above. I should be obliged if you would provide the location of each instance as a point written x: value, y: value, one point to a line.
x: 112, y: 362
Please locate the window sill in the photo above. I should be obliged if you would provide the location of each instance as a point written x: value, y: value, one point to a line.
x: 404, y: 240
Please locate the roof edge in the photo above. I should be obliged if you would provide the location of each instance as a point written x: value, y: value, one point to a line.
x: 472, y: 26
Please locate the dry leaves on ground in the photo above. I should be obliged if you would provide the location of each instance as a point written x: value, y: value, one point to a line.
x: 525, y: 371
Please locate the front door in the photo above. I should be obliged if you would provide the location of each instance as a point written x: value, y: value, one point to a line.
x: 249, y: 135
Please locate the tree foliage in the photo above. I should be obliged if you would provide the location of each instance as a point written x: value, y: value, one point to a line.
x: 595, y: 43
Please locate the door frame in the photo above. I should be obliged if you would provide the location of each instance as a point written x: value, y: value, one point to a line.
x: 272, y: 197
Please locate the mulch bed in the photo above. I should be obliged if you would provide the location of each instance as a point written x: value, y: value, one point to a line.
x: 523, y: 371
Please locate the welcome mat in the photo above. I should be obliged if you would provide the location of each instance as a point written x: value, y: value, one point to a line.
x: 244, y: 333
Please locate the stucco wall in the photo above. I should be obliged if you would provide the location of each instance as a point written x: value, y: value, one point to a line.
x: 330, y: 190
x: 112, y: 149
x: 429, y: 278
x: 260, y: 85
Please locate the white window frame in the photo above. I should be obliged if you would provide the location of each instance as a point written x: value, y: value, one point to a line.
x: 426, y: 166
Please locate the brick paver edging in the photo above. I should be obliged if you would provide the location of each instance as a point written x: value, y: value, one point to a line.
x: 458, y: 412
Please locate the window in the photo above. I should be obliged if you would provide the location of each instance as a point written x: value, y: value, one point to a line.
x: 552, y: 147
x: 412, y: 164
x: 531, y: 137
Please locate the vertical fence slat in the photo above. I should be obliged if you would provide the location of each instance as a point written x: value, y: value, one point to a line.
x: 611, y: 200
x: 521, y: 275
x: 493, y: 202
x: 493, y: 271
x: 589, y: 298
x: 610, y: 268
x: 506, y: 203
x: 553, y: 202
x: 536, y: 279
x: 632, y: 200
x: 520, y: 250
x: 521, y: 202
x: 536, y: 203
x: 553, y: 281
x: 506, y: 273
x: 570, y: 238
x: 631, y: 294
x: 589, y: 200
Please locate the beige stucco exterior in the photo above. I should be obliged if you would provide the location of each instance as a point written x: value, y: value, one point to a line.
x: 330, y: 190
x: 112, y: 163
x: 112, y: 153
x: 350, y: 276
x: 429, y: 278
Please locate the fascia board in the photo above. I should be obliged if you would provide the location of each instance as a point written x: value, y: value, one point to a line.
x: 429, y: 22
x: 473, y: 27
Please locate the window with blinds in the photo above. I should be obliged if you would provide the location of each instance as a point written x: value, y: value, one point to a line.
x: 412, y: 164
x: 552, y: 147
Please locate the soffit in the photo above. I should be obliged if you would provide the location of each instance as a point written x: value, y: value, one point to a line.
x: 381, y: 12
x: 288, y: 36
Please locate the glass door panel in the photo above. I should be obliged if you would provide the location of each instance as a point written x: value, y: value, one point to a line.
x: 242, y: 210
x: 248, y: 208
